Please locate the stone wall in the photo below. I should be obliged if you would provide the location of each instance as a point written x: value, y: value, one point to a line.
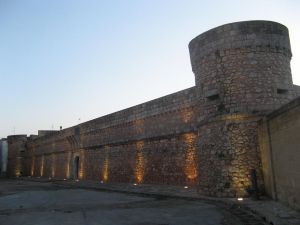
x: 280, y: 145
x: 145, y: 143
x: 205, y: 135
x: 228, y: 151
x: 16, y: 154
x: 297, y: 90
x: 242, y: 72
x: 244, y: 67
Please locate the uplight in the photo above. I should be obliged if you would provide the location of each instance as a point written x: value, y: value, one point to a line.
x: 240, y: 199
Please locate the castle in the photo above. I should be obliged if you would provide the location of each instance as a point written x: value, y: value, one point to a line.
x: 206, y: 136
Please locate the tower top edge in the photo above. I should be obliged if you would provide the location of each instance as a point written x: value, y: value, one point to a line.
x: 258, y: 27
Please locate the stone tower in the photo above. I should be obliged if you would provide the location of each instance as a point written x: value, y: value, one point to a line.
x: 242, y: 71
x: 16, y: 152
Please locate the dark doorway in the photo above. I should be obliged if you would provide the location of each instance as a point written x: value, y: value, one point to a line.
x: 76, y: 167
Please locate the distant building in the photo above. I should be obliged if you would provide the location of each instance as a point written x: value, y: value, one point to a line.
x: 3, y: 157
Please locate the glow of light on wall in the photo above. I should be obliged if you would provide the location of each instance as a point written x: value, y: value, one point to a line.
x: 234, y: 117
x: 139, y: 126
x: 139, y: 162
x: 187, y: 116
x: 42, y: 166
x: 191, y: 166
x: 105, y: 168
x: 68, y: 174
x: 53, y: 165
x: 81, y: 166
x: 32, y: 166
x: 18, y: 167
x: 240, y: 178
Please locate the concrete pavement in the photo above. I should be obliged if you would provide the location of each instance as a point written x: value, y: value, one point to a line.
x: 45, y: 202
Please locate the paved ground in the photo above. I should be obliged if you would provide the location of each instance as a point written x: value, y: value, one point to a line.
x: 248, y: 211
x: 46, y: 203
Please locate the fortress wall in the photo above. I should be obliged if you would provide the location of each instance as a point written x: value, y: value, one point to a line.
x: 170, y: 114
x: 144, y: 143
x: 164, y: 160
x: 206, y: 135
x: 227, y: 152
x: 162, y: 124
x: 170, y: 160
x: 172, y: 102
x: 242, y: 72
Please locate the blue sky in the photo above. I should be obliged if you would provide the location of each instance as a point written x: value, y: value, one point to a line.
x: 63, y: 62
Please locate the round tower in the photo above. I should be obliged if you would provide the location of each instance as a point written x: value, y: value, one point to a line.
x: 243, y: 67
x: 242, y: 71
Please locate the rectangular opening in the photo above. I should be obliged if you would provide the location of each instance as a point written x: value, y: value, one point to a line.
x: 213, y: 97
x: 281, y: 91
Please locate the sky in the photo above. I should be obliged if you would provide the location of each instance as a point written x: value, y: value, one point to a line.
x: 64, y: 62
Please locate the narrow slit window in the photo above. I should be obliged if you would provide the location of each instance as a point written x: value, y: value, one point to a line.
x: 281, y: 91
x: 213, y: 97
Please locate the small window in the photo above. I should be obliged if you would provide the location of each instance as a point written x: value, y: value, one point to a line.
x: 281, y: 91
x: 213, y: 97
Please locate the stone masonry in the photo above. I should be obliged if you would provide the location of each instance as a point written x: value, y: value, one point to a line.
x: 204, y: 136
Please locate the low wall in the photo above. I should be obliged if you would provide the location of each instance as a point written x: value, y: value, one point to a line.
x: 280, y: 153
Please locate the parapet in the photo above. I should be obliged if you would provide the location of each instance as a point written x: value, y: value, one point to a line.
x: 247, y: 34
x: 46, y: 132
x: 13, y: 138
